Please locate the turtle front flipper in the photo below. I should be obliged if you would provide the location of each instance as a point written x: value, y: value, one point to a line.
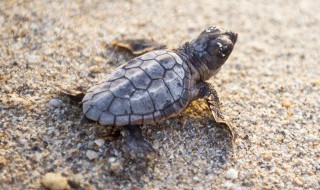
x: 134, y: 144
x: 212, y: 99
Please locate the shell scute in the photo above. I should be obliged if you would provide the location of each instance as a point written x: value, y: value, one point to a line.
x: 153, y: 69
x: 122, y: 88
x: 148, y: 118
x: 136, y: 119
x: 119, y: 73
x: 141, y: 102
x: 168, y: 111
x: 120, y: 106
x: 148, y: 56
x: 180, y: 71
x: 167, y: 61
x: 174, y: 83
x: 160, y: 94
x: 161, y: 52
x: 122, y: 120
x: 158, y: 115
x: 178, y: 106
x: 138, y: 78
x: 176, y: 57
x: 102, y: 100
x: 106, y: 118
x: 133, y: 64
x: 93, y: 113
x: 102, y: 88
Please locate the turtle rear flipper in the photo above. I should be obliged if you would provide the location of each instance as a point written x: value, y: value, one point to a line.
x: 134, y: 144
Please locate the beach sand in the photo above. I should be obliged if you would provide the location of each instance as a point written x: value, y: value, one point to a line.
x: 269, y: 89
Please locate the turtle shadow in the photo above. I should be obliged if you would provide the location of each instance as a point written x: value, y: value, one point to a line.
x: 186, y: 151
x: 195, y: 135
x: 196, y: 138
x: 196, y: 144
x: 187, y: 142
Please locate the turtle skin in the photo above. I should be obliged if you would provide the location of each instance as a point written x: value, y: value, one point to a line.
x: 145, y: 90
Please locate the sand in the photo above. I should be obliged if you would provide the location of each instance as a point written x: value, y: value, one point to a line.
x: 269, y: 89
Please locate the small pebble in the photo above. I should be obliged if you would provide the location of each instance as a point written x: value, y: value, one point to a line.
x: 92, y: 155
x: 111, y: 159
x: 298, y: 181
x: 7, y: 88
x: 286, y: 103
x: 48, y: 51
x: 3, y: 162
x: 99, y: 142
x: 23, y: 141
x: 316, y: 83
x: 98, y: 59
x: 55, y: 181
x: 227, y: 185
x: 232, y: 174
x: 95, y: 69
x: 55, y: 103
x: 267, y: 156
x: 33, y: 58
x: 115, y: 165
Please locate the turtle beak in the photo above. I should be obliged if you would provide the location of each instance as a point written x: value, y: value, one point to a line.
x: 233, y: 37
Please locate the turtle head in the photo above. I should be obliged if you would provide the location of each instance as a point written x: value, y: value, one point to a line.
x: 213, y: 47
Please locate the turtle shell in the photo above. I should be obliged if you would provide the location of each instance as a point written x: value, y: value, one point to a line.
x: 145, y: 90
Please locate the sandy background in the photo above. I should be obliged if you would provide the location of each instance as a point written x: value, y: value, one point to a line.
x: 269, y: 88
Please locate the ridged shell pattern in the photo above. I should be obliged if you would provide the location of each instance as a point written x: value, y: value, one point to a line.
x: 145, y: 90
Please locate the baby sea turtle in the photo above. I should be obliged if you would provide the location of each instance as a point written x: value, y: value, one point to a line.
x: 158, y: 85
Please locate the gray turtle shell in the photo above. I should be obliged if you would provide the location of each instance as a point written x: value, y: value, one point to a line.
x: 145, y: 90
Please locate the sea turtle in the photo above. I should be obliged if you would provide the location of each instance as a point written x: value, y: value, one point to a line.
x: 158, y: 85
